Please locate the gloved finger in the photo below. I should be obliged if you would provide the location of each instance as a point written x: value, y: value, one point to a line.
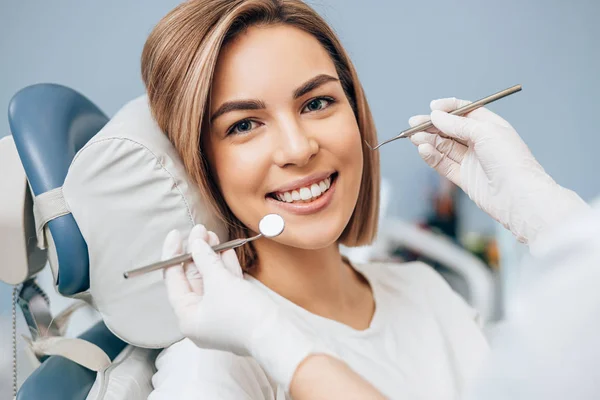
x: 198, y: 232
x: 212, y: 239
x: 194, y: 276
x: 172, y: 245
x: 207, y: 261
x: 441, y: 163
x: 228, y: 258
x: 460, y: 128
x: 419, y: 119
x: 422, y: 138
x: 234, y: 269
x: 232, y: 263
x: 481, y: 114
x: 176, y: 282
x: 454, y: 150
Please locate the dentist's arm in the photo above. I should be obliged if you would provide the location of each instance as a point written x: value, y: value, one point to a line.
x: 218, y: 309
x: 484, y: 155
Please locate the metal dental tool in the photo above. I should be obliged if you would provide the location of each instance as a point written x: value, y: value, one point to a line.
x: 270, y: 226
x: 459, y: 111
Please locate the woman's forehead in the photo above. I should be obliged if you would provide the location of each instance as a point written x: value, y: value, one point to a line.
x: 266, y: 59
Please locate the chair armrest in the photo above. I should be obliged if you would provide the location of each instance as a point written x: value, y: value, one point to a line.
x: 59, y: 378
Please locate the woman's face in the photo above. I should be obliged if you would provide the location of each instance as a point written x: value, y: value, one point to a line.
x: 283, y: 137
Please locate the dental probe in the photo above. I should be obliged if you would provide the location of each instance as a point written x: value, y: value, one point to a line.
x: 459, y: 111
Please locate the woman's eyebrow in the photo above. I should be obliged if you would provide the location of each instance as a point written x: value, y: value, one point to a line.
x: 237, y: 105
x: 244, y: 105
x: 312, y: 84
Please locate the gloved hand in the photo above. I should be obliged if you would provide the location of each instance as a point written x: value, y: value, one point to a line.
x: 485, y: 156
x: 218, y: 309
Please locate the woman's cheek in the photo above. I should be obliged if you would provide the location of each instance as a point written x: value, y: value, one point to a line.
x: 242, y: 173
x: 347, y: 142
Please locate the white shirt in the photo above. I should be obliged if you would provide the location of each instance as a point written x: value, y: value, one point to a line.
x: 423, y: 342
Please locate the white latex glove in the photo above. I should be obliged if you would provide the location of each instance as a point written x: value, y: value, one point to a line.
x: 218, y: 309
x: 485, y: 156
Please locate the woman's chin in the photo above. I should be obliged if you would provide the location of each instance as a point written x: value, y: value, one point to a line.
x: 314, y: 239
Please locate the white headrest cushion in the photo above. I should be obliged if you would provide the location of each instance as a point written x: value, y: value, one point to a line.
x: 127, y: 188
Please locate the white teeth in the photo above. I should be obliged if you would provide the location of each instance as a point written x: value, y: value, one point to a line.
x: 306, y: 193
x: 315, y: 190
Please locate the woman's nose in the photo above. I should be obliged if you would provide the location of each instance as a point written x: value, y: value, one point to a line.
x: 295, y: 146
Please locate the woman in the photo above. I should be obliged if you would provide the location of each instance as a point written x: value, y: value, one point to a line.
x: 266, y: 110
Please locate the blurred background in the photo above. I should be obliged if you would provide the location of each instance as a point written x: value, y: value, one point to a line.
x: 406, y: 52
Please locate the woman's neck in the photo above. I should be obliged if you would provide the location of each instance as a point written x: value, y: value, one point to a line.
x: 316, y: 280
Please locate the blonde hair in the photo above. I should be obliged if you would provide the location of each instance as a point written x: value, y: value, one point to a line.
x: 178, y: 63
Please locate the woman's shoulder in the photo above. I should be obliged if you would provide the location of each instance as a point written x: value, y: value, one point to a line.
x: 185, y: 371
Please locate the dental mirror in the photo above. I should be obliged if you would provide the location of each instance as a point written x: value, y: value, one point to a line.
x: 270, y: 226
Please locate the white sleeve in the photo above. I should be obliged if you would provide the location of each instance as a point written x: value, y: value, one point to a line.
x: 186, y: 372
x: 548, y: 347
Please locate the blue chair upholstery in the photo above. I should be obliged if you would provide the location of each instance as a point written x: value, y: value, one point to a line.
x: 50, y: 123
x: 60, y: 379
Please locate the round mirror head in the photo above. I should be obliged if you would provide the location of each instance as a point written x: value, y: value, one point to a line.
x: 271, y: 225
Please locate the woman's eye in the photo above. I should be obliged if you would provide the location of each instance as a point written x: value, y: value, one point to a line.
x: 242, y: 127
x: 318, y: 104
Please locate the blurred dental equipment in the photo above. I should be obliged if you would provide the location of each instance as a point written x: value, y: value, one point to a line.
x: 270, y: 226
x: 460, y: 111
x: 477, y: 279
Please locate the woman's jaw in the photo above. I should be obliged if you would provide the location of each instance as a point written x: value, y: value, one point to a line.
x: 316, y: 222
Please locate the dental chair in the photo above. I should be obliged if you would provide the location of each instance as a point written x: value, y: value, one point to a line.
x: 95, y: 198
x: 50, y: 124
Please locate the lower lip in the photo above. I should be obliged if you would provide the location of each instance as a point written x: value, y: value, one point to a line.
x: 308, y: 208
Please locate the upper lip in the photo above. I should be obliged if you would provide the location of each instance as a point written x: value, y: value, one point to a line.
x: 303, y: 182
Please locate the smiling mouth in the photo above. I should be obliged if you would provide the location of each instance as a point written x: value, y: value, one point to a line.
x: 305, y: 194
